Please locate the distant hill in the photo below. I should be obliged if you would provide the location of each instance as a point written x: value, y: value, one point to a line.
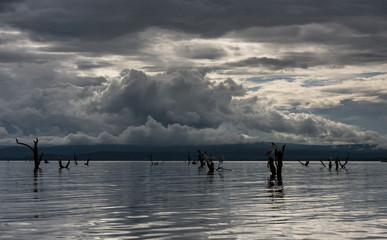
x: 245, y: 152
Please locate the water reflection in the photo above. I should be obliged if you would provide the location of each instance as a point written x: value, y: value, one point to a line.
x: 63, y: 169
x: 132, y: 200
x: 210, y: 177
x: 275, y: 187
x: 37, y: 174
x: 276, y: 192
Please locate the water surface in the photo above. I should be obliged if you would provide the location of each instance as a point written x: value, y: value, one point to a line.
x: 133, y: 200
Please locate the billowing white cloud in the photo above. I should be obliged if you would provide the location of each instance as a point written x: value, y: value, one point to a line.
x: 178, y: 107
x: 180, y: 96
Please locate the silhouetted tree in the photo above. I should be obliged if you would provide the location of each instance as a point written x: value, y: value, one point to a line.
x: 322, y: 163
x: 330, y: 162
x: 201, y: 158
x: 34, y: 149
x: 304, y: 164
x: 222, y: 169
x: 275, y: 169
x: 271, y: 166
x: 60, y: 163
x: 346, y: 161
x: 279, y: 156
x: 337, y: 162
x: 210, y: 164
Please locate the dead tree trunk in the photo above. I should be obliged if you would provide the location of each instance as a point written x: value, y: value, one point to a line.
x: 60, y: 163
x: 34, y: 149
x: 346, y: 161
x: 279, y: 155
x: 304, y: 164
x: 322, y: 163
x: 271, y: 166
x: 276, y: 170
x: 210, y: 165
x: 330, y: 162
x: 337, y: 162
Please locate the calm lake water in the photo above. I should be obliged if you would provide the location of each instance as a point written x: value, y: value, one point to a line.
x: 133, y: 200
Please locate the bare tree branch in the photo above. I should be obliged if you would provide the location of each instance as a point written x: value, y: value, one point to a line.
x: 24, y: 144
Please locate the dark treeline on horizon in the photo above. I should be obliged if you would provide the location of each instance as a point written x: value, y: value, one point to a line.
x: 231, y: 152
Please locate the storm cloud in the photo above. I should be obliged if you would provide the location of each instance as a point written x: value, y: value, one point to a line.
x: 193, y: 72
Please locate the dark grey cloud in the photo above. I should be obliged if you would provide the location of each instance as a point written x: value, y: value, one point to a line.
x: 353, y: 31
x: 19, y: 79
x: 82, y: 65
x: 184, y: 97
x: 177, y: 107
x: 344, y: 44
x: 299, y: 127
x: 39, y: 100
x: 7, y: 56
x: 271, y: 63
x: 201, y: 51
x: 86, y: 85
x: 202, y: 105
x: 52, y: 52
x: 365, y: 114
x: 101, y: 20
x: 8, y: 5
x: 127, y: 44
x: 182, y: 106
x: 46, y: 111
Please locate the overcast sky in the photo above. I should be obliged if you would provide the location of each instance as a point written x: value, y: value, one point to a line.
x: 193, y: 72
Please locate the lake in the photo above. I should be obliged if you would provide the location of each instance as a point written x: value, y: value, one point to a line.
x: 133, y: 200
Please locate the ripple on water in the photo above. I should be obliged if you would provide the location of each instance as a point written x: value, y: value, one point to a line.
x: 124, y: 200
